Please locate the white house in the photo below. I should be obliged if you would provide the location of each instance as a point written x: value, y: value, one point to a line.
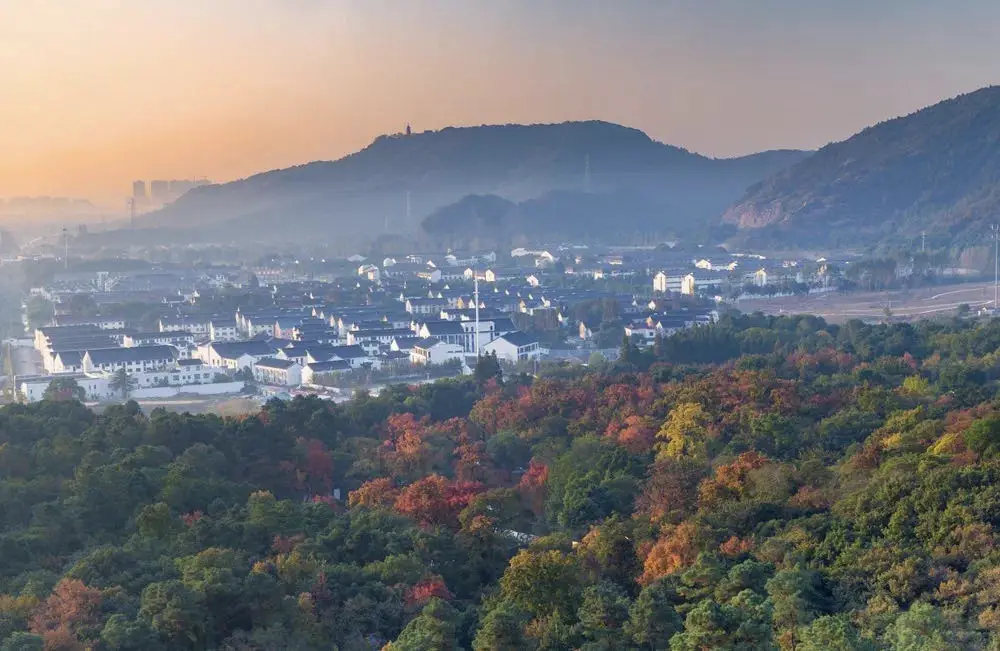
x: 435, y: 351
x: 237, y: 355
x: 660, y: 283
x: 317, y: 372
x: 134, y: 360
x: 278, y: 372
x: 514, y: 346
x: 220, y: 331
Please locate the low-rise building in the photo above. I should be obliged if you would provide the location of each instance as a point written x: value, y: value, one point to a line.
x: 319, y: 372
x: 514, y: 346
x: 278, y: 372
x: 434, y: 351
x: 133, y: 360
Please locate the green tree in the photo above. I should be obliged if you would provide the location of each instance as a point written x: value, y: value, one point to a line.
x: 22, y: 641
x: 64, y: 388
x: 926, y: 628
x: 176, y: 613
x: 123, y: 382
x: 832, y: 633
x: 433, y: 628
x: 487, y: 368
x: 541, y: 582
x: 502, y: 629
x: 604, y: 611
x: 653, y: 617
x: 39, y: 312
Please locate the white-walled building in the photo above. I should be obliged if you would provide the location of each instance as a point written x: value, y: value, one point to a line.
x: 278, y: 372
x: 660, y: 283
x: 435, y: 351
x: 134, y: 360
x: 317, y: 372
x: 514, y: 346
x: 221, y: 331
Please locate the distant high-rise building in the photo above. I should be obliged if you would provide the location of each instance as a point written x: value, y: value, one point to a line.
x: 159, y: 190
x: 179, y: 187
x: 139, y: 190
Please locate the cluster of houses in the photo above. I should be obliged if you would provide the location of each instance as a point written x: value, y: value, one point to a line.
x: 397, y: 315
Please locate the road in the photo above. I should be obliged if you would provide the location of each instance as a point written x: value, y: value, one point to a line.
x: 940, y: 300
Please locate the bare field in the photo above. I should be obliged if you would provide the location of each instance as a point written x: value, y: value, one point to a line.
x: 905, y: 305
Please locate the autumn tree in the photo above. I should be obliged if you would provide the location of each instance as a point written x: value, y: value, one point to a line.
x: 685, y: 433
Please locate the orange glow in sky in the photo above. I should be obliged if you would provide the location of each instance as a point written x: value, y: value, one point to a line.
x: 96, y: 93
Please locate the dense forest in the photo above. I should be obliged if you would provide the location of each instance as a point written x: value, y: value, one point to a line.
x: 763, y: 483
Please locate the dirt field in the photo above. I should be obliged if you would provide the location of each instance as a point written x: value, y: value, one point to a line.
x: 926, y: 302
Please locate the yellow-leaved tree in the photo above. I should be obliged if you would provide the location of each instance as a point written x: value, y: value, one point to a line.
x: 685, y: 433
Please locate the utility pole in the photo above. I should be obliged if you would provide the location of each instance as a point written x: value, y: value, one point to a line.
x: 475, y: 284
x: 995, y: 228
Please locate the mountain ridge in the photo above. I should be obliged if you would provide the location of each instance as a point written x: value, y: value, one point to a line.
x: 360, y: 192
x: 934, y: 170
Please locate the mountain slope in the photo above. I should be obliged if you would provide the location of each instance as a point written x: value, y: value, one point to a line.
x: 364, y: 192
x: 936, y: 170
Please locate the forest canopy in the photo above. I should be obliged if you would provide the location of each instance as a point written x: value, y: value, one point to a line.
x: 762, y: 483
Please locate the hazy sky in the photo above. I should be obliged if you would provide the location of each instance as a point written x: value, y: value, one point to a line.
x: 94, y: 93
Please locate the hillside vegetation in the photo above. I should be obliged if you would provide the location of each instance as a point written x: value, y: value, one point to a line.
x: 764, y: 483
x: 936, y: 170
x: 360, y: 193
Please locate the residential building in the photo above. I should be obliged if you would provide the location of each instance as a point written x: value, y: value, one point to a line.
x: 278, y: 372
x: 514, y: 346
x: 318, y: 372
x: 133, y: 360
x: 435, y: 351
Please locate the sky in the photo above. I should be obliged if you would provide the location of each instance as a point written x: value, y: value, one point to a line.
x: 96, y: 93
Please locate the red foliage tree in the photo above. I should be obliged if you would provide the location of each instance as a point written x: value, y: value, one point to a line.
x: 532, y: 485
x: 636, y: 434
x: 434, y: 500
x: 432, y: 587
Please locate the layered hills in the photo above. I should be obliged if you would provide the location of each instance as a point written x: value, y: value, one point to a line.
x: 558, y: 173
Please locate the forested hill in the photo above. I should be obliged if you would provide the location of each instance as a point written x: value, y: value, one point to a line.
x: 764, y: 483
x: 936, y: 170
x: 363, y: 192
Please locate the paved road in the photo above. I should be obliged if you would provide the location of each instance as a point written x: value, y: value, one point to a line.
x: 942, y: 300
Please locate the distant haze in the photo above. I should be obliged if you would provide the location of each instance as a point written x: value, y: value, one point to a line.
x: 95, y: 94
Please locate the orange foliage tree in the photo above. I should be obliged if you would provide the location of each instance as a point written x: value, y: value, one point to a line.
x: 380, y: 492
x: 673, y: 552
x: 64, y: 618
x: 434, y: 500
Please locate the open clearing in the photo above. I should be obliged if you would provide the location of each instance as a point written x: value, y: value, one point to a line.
x: 904, y: 304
